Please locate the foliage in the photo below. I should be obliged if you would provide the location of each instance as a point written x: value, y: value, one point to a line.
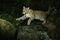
x: 27, y: 2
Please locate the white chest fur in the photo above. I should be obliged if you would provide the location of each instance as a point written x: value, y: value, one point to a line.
x: 27, y: 15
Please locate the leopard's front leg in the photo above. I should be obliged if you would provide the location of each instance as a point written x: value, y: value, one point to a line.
x: 21, y: 18
x: 30, y: 19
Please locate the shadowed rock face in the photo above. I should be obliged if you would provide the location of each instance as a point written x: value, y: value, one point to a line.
x: 50, y: 26
x: 7, y: 30
x: 51, y: 29
x: 32, y: 32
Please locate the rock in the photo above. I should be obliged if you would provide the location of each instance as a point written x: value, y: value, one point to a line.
x: 7, y: 30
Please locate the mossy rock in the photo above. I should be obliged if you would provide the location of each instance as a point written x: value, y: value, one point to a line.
x: 7, y: 29
x: 30, y: 33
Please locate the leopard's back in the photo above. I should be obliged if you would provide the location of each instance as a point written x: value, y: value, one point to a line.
x: 40, y: 15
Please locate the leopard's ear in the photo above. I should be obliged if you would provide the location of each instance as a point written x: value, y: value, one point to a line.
x: 25, y: 7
